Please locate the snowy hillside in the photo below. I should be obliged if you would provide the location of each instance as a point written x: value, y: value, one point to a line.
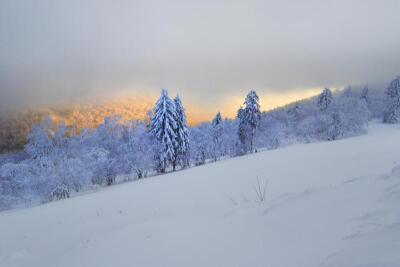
x: 327, y: 204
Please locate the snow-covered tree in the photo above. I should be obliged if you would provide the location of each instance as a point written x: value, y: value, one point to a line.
x: 353, y: 115
x: 242, y: 132
x: 200, y: 143
x: 162, y: 127
x: 336, y: 127
x: 229, y: 137
x: 325, y: 99
x: 252, y: 115
x: 39, y: 142
x: 276, y: 129
x: 392, y: 112
x: 182, y: 136
x: 108, y: 137
x: 216, y: 133
x: 136, y: 151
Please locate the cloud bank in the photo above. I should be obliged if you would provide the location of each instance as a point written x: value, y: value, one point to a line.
x: 208, y: 51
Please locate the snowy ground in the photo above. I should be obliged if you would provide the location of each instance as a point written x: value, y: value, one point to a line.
x: 328, y: 204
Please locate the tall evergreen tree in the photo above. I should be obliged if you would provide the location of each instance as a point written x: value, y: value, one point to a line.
x: 182, y: 136
x: 162, y: 127
x: 252, y: 114
x: 242, y: 132
x: 325, y: 99
x: 392, y: 112
x: 216, y: 133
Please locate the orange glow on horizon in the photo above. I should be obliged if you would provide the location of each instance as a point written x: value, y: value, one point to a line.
x: 268, y: 101
x: 134, y: 106
x: 91, y: 113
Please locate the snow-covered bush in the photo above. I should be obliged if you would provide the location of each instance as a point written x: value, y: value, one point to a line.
x: 61, y: 191
x: 200, y: 142
x: 392, y: 112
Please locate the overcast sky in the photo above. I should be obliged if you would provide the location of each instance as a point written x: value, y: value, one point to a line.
x: 207, y: 51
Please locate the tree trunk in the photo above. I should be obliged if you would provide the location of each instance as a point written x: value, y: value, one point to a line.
x: 252, y: 140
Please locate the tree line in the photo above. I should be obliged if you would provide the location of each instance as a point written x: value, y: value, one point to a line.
x: 56, y: 163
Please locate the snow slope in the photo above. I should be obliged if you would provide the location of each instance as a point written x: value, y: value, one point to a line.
x: 328, y: 204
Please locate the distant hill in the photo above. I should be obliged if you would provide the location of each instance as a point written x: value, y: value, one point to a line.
x: 15, y: 126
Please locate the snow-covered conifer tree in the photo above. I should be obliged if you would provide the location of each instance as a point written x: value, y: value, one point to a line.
x: 216, y: 133
x: 325, y: 99
x: 243, y: 131
x: 392, y: 112
x: 252, y: 114
x: 162, y: 127
x: 182, y: 136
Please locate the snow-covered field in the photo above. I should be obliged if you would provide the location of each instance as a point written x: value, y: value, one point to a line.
x: 327, y: 204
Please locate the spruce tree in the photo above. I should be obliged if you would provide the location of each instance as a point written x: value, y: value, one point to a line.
x: 325, y: 99
x: 182, y: 136
x: 216, y: 133
x: 252, y: 114
x: 392, y: 112
x: 243, y: 132
x: 162, y: 127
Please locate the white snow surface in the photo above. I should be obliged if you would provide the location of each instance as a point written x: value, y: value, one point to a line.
x: 327, y: 204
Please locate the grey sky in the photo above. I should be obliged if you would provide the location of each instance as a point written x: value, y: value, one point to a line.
x: 207, y: 50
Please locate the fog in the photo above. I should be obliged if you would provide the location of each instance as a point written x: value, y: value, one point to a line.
x: 208, y: 51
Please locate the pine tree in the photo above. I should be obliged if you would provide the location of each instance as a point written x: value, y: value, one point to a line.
x: 182, y: 136
x: 325, y: 99
x: 162, y: 127
x: 252, y: 114
x: 216, y: 133
x: 240, y: 113
x: 392, y: 112
x: 243, y: 131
